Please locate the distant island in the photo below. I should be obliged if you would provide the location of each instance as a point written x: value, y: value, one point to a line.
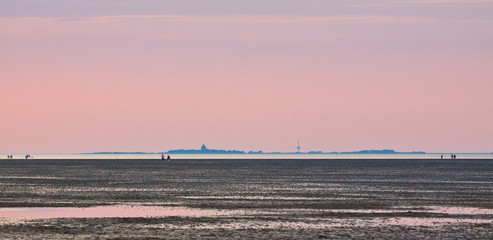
x: 385, y: 151
x: 205, y: 150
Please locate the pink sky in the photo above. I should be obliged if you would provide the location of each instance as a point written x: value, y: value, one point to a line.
x: 248, y: 81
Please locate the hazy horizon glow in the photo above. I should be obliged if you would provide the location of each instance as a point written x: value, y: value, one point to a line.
x: 89, y: 76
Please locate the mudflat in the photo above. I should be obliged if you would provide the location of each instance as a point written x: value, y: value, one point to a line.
x: 255, y: 198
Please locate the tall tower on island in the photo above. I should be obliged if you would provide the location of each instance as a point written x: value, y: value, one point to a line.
x: 298, y: 146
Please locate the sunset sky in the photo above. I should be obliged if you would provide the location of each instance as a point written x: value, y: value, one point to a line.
x: 148, y: 75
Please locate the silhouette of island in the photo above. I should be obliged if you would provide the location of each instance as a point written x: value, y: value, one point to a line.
x: 205, y: 150
x: 384, y: 151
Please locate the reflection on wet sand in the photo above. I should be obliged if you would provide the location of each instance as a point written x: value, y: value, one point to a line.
x: 448, y: 215
x: 119, y: 211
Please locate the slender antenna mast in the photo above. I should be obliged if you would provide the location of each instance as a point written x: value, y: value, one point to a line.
x: 298, y: 146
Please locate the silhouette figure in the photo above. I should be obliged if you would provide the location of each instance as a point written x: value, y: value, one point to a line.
x: 169, y: 158
x: 162, y: 157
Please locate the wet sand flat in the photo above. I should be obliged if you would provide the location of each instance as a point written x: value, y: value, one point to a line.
x: 271, y: 198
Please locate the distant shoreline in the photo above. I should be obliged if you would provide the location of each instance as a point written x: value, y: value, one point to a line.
x: 265, y: 156
x: 214, y: 151
x: 256, y: 159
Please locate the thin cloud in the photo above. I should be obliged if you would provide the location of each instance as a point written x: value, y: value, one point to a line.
x: 407, y: 2
x: 451, y: 1
x: 76, y: 19
x: 265, y: 19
